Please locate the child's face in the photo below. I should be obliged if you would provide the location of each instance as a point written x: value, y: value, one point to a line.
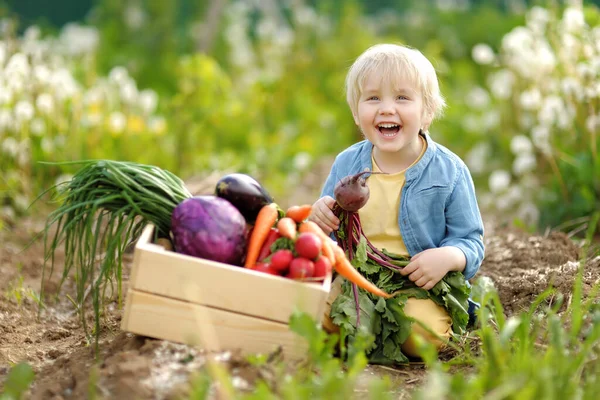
x: 390, y: 115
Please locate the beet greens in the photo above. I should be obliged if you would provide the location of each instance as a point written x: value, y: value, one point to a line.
x: 384, y: 318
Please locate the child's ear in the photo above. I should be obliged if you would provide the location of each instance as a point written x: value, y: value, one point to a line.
x: 356, y: 120
x: 427, y: 119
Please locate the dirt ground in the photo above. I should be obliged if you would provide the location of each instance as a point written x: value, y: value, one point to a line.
x: 128, y: 366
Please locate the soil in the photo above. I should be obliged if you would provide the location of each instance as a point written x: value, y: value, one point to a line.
x: 520, y: 265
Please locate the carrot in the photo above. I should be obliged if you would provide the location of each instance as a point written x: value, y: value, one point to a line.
x: 265, y: 250
x: 287, y: 227
x: 262, y: 226
x: 299, y: 213
x: 309, y: 226
x: 344, y: 268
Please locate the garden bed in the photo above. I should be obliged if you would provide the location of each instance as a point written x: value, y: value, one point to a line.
x: 129, y: 366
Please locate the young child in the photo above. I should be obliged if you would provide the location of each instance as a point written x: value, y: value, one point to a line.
x: 424, y: 206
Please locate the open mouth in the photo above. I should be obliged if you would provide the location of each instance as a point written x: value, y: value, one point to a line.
x: 388, y: 130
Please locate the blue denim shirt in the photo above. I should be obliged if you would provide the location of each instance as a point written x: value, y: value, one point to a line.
x: 438, y: 206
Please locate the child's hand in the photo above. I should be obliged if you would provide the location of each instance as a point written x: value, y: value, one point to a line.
x: 323, y: 216
x: 429, y: 267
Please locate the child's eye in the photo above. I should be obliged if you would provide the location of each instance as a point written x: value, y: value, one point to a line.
x: 402, y: 97
x: 373, y: 98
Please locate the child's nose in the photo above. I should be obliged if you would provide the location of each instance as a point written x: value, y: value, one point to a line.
x: 387, y: 108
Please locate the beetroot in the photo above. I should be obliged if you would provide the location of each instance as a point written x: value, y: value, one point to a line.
x: 209, y: 227
x: 352, y: 192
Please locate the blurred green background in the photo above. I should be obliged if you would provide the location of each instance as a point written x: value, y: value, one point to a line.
x: 257, y: 87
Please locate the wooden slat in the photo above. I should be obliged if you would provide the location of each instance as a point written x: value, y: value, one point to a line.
x: 223, y: 286
x: 163, y: 318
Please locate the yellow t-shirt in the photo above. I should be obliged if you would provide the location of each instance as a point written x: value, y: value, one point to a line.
x: 379, y: 217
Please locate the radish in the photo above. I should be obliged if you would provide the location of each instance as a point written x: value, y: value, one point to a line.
x: 322, y: 267
x: 301, y: 268
x: 281, y: 259
x: 308, y: 245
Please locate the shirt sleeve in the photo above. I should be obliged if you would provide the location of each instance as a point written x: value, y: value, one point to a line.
x: 464, y: 226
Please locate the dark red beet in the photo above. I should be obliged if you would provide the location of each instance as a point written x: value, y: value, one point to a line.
x: 352, y: 192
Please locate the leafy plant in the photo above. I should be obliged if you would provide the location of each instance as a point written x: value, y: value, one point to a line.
x: 536, y: 354
x: 19, y: 378
x: 321, y: 375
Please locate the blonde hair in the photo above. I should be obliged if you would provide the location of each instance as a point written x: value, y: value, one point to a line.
x: 395, y: 62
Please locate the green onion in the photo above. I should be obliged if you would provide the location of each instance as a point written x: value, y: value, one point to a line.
x: 103, y: 210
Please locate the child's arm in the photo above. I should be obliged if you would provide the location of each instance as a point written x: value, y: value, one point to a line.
x: 322, y: 213
x: 464, y: 226
x: 462, y: 249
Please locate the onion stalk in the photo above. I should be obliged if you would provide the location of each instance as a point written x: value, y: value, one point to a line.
x: 103, y: 210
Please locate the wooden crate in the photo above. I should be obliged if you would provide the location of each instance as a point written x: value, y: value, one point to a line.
x: 217, y: 306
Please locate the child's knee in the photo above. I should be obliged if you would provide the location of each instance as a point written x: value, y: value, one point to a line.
x: 436, y: 319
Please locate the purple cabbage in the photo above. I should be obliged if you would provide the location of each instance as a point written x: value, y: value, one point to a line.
x: 209, y: 227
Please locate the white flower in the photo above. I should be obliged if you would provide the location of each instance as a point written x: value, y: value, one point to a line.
x: 491, y: 119
x: 3, y: 52
x: 537, y: 18
x: 530, y: 99
x: 501, y: 83
x: 520, y: 144
x: 135, y: 16
x: 129, y: 92
x: 573, y: 20
x: 47, y: 145
x: 65, y: 86
x: 552, y: 107
x: 477, y: 158
x: 78, y: 39
x: 6, y: 95
x: 471, y: 123
x: 10, y: 146
x: 304, y: 15
x: 17, y: 66
x: 529, y: 213
x: 45, y: 103
x: 24, y: 154
x: 63, y: 179
x: 32, y: 33
x: 42, y: 74
x: 117, y: 121
x: 37, y: 126
x: 499, y: 181
x: 24, y: 111
x: 588, y: 70
x: 5, y: 119
x: 483, y: 54
x: 478, y: 98
x: 525, y: 162
x: 157, y: 125
x: 570, y: 43
x: 517, y: 40
x: 60, y: 140
x: 284, y: 38
x: 118, y: 75
x: 592, y: 122
x: 541, y: 138
x: 148, y: 100
x: 302, y: 161
x: 266, y: 28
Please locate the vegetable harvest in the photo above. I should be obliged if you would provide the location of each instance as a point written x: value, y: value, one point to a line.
x: 105, y: 206
x: 383, y: 315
